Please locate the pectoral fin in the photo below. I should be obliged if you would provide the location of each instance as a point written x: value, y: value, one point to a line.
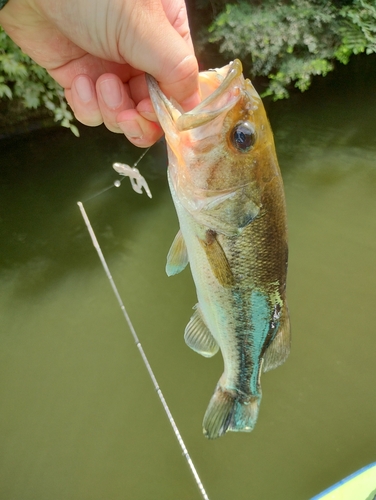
x: 279, y: 349
x: 229, y: 213
x: 177, y: 257
x: 198, y: 337
x: 217, y: 259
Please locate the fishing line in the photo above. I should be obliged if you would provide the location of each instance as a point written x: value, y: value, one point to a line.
x: 118, y: 182
x: 133, y: 331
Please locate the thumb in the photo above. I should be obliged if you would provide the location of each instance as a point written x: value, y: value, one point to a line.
x: 162, y: 47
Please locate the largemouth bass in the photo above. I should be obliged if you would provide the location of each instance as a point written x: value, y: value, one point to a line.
x: 228, y: 192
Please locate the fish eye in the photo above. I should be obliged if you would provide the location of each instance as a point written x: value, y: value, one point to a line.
x: 243, y: 136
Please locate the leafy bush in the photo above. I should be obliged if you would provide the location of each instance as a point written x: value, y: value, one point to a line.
x: 286, y: 41
x: 22, y: 78
x: 289, y: 42
x: 358, y: 29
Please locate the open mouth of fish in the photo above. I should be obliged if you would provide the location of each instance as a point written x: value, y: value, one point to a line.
x: 220, y: 90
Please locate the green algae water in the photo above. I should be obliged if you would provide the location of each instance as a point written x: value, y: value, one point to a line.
x: 79, y: 417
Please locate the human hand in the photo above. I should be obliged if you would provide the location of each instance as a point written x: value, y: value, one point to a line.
x: 99, y: 51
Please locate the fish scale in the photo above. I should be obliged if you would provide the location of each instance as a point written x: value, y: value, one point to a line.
x: 228, y: 194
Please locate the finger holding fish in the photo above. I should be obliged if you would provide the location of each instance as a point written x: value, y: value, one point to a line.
x: 124, y: 107
x: 140, y: 124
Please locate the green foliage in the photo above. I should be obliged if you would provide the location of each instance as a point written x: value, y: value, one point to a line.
x: 287, y: 41
x: 358, y: 29
x: 22, y: 78
x: 291, y: 41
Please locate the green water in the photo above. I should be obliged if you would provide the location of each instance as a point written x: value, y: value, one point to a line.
x: 79, y: 418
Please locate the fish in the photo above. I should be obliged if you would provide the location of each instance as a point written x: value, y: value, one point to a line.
x: 228, y: 193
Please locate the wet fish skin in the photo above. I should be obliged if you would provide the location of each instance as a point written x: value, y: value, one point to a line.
x: 228, y: 193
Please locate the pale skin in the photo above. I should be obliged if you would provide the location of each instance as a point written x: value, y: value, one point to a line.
x: 99, y: 51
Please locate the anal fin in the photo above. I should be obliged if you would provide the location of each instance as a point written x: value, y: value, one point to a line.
x: 177, y: 257
x: 279, y: 349
x: 197, y: 335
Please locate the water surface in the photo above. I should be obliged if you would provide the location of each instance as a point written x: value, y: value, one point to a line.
x: 79, y: 417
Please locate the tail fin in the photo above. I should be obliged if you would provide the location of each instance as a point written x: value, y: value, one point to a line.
x: 227, y: 411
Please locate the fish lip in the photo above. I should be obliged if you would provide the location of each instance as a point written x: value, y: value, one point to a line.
x: 197, y: 116
x: 156, y: 94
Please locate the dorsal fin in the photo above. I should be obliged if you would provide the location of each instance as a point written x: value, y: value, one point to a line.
x: 198, y: 337
x: 177, y: 257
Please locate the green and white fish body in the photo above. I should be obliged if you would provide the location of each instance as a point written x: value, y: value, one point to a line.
x: 228, y: 193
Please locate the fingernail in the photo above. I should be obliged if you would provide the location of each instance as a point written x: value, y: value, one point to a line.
x: 146, y: 110
x: 84, y: 89
x: 149, y: 115
x: 131, y: 129
x: 111, y: 93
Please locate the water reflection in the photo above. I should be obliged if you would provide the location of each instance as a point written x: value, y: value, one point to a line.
x: 79, y: 417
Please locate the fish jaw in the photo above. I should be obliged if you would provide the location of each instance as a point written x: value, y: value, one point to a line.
x: 205, y: 167
x: 220, y: 89
x: 201, y: 127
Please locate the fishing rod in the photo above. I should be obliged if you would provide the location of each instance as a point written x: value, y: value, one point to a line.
x: 138, y: 182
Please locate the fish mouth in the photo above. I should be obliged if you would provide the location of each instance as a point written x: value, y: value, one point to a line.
x: 227, y: 83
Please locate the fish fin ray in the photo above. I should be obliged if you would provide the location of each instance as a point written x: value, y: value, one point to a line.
x: 227, y: 412
x: 217, y: 259
x: 177, y: 258
x: 219, y: 214
x: 198, y: 337
x: 279, y: 349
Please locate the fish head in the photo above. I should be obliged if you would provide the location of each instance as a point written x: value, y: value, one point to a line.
x: 221, y: 153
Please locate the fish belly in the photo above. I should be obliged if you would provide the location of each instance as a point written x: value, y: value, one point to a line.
x: 239, y: 317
